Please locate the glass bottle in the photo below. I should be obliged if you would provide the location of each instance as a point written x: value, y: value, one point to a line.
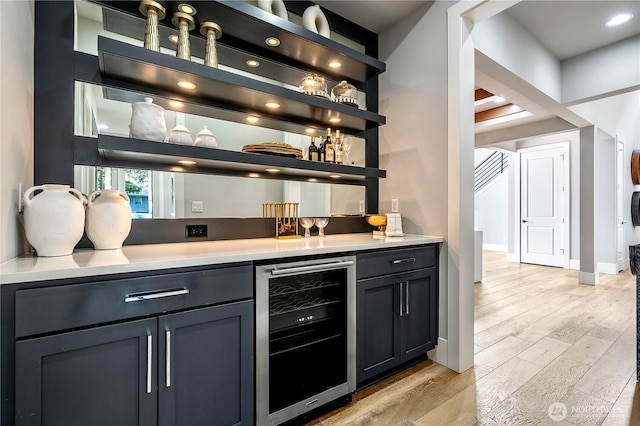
x: 339, y: 152
x: 327, y: 147
x: 314, y: 152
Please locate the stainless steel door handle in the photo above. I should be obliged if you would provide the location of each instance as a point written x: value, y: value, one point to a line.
x: 136, y: 297
x: 312, y: 268
x: 406, y: 294
x: 168, y: 356
x: 401, y: 308
x: 149, y: 361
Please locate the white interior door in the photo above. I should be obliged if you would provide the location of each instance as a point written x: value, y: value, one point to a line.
x: 542, y: 207
x: 620, y: 244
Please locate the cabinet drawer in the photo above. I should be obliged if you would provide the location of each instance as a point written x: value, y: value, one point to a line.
x: 398, y: 260
x: 50, y: 309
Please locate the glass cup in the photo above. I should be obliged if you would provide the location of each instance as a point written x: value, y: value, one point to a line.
x: 321, y: 223
x: 306, y: 223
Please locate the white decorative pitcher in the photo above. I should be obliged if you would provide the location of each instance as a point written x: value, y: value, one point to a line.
x: 147, y: 121
x: 53, y: 219
x: 108, y: 218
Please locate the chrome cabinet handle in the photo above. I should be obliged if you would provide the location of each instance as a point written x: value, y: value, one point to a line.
x: 136, y: 297
x: 168, y: 357
x: 312, y: 268
x: 406, y: 293
x: 408, y: 259
x: 401, y: 308
x: 149, y: 355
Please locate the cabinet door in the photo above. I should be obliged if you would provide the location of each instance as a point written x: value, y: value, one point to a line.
x: 420, y: 307
x: 206, y: 366
x: 102, y: 376
x: 378, y: 332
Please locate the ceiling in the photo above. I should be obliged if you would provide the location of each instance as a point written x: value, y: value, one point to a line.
x: 565, y: 27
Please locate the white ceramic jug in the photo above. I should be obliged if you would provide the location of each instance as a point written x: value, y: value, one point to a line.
x: 108, y: 218
x: 147, y: 121
x: 53, y: 219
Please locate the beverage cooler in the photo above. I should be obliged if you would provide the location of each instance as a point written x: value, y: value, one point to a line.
x: 305, y: 336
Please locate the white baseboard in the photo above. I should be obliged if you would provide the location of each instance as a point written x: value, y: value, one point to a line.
x: 588, y: 278
x: 441, y: 352
x: 494, y: 247
x: 513, y: 257
x: 608, y: 268
x: 574, y: 264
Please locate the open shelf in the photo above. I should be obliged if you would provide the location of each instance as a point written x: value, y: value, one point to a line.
x: 245, y: 27
x: 118, y: 151
x: 127, y: 63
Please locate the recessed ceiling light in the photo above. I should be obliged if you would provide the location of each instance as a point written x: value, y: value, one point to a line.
x: 312, y: 180
x: 187, y: 162
x: 334, y: 64
x: 176, y: 104
x: 272, y: 105
x: 187, y: 8
x: 173, y: 38
x: 334, y: 120
x: 254, y: 175
x: 272, y: 170
x: 253, y: 63
x: 335, y: 176
x: 252, y: 119
x: 619, y: 19
x: 103, y: 126
x: 310, y: 131
x: 186, y: 85
x: 272, y: 41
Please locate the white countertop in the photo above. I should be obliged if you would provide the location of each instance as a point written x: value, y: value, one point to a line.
x: 87, y: 262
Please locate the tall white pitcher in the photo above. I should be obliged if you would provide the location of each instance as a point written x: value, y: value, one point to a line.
x: 53, y: 219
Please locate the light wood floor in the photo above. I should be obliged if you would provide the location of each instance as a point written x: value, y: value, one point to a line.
x: 540, y: 338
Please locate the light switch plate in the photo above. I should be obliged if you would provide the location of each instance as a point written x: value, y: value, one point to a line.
x: 394, y: 205
x: 361, y: 206
x: 197, y: 207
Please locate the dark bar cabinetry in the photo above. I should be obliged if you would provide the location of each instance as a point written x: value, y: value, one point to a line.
x: 170, y: 349
x: 397, y: 309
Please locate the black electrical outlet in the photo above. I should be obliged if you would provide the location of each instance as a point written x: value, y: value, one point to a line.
x: 196, y: 231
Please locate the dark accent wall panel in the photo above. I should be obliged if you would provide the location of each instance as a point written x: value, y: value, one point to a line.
x: 53, y: 92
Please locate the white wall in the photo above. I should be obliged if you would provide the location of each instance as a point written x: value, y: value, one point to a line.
x: 602, y: 71
x: 16, y: 119
x: 505, y: 41
x: 491, y: 213
x: 605, y: 199
x: 413, y: 143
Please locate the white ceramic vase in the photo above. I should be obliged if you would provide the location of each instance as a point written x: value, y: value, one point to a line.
x: 53, y: 218
x: 108, y: 218
x: 147, y: 121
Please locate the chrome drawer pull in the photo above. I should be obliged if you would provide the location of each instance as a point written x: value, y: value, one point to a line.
x: 168, y: 357
x: 408, y: 259
x: 149, y: 355
x: 406, y: 293
x: 401, y: 299
x: 148, y: 296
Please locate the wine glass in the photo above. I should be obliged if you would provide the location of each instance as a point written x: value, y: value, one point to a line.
x: 321, y: 223
x: 306, y: 223
x: 347, y: 143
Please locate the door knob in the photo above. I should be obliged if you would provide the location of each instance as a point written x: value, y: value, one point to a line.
x: 524, y: 221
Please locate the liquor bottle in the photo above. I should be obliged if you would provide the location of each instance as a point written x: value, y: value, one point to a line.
x: 327, y: 147
x: 314, y: 152
x: 339, y: 151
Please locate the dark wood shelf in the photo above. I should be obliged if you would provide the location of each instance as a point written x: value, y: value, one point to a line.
x: 124, y: 62
x: 245, y: 28
x: 115, y: 151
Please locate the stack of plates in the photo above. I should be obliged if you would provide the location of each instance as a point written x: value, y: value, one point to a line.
x: 273, y: 148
